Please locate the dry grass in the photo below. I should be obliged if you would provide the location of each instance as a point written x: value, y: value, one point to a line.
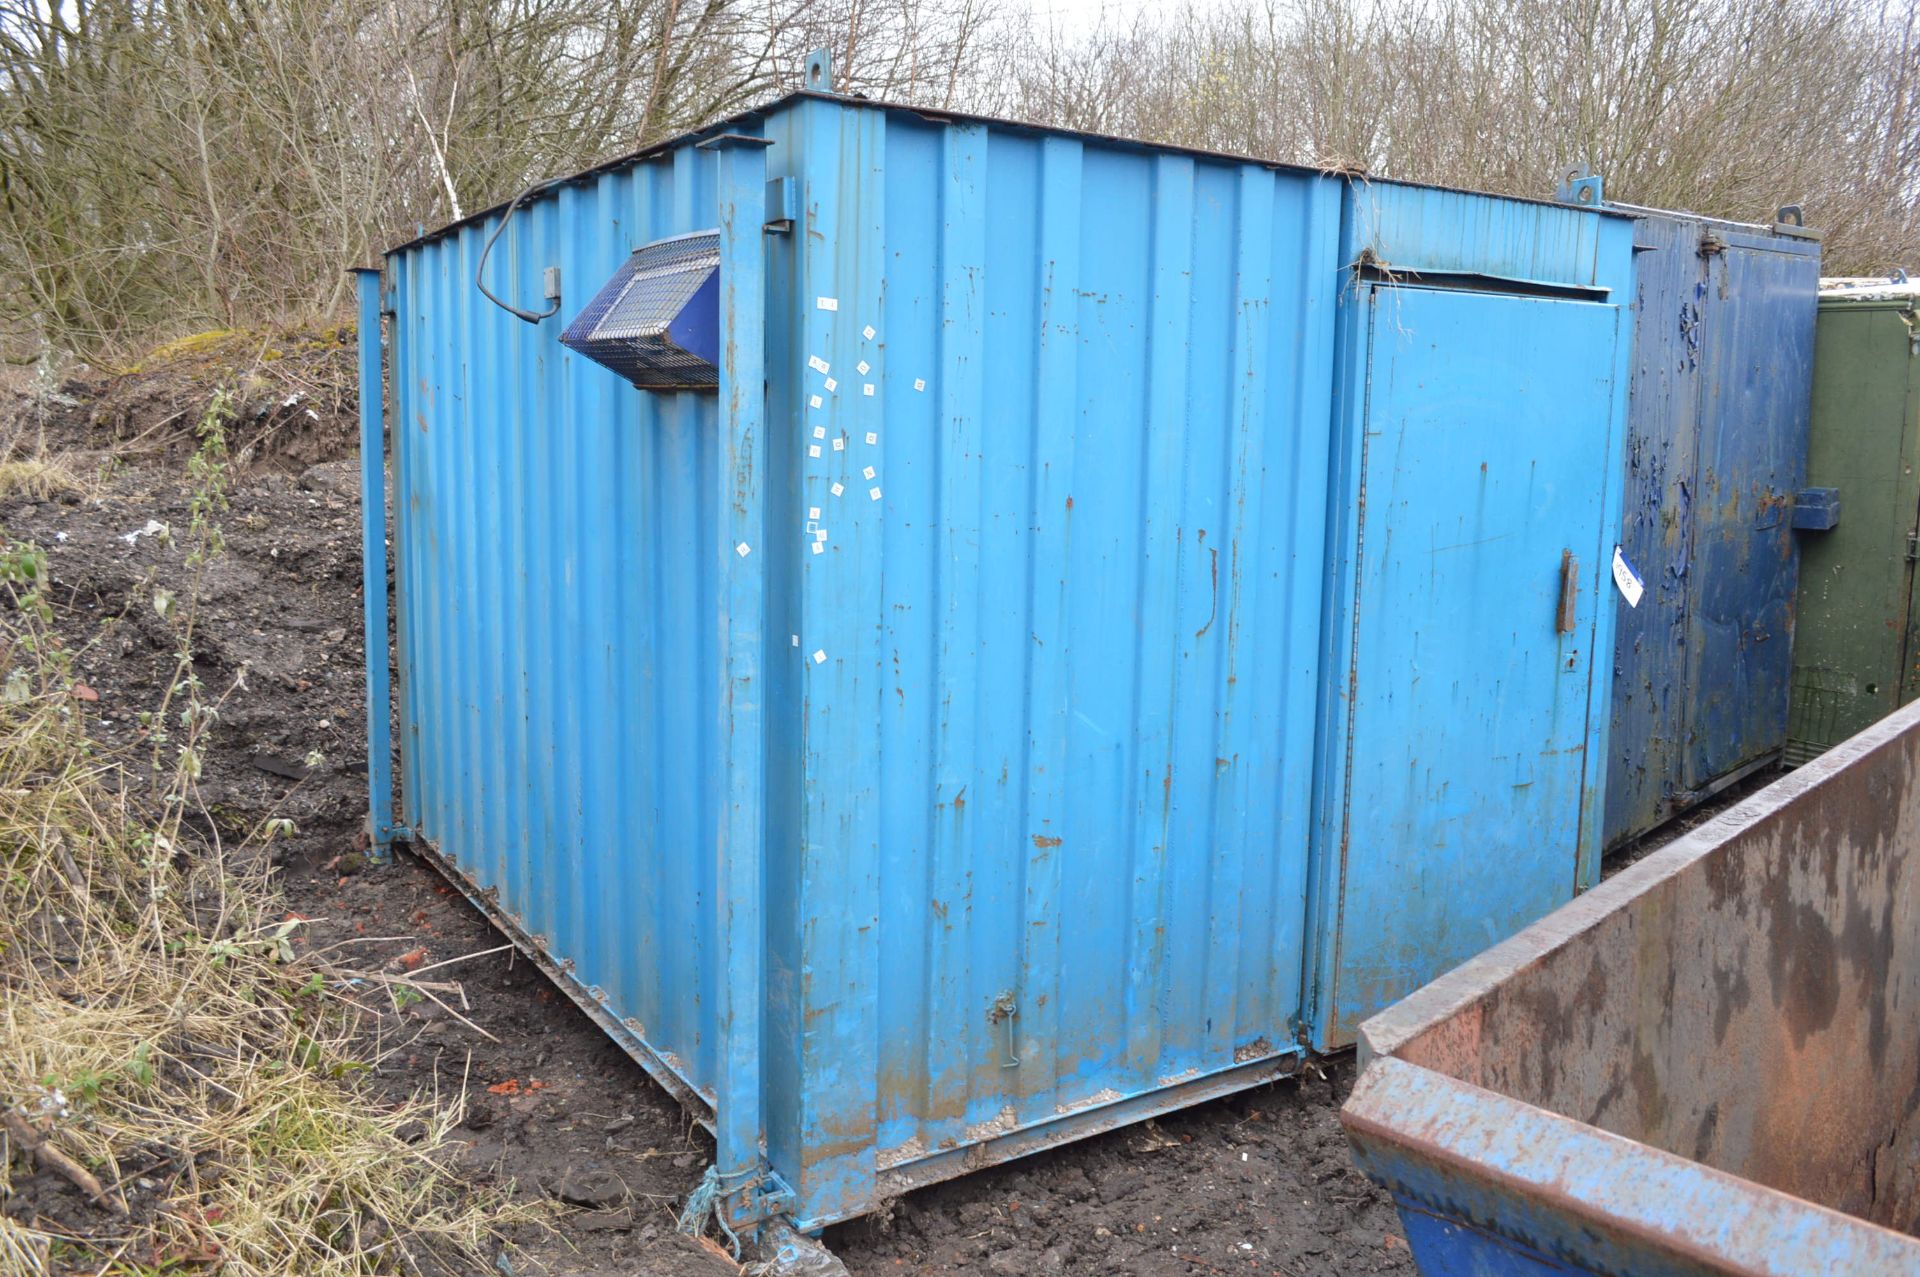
x: 40, y: 477
x: 181, y: 1090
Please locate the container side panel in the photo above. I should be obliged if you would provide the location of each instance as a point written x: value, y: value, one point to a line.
x: 1475, y: 601
x: 1072, y: 598
x: 399, y: 347
x: 1650, y: 692
x: 554, y: 530
x: 1851, y: 643
x: 1753, y: 457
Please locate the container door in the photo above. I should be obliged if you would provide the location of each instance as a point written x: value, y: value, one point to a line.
x: 1650, y: 698
x: 1909, y: 472
x: 1752, y: 459
x: 1482, y: 481
x: 1852, y: 648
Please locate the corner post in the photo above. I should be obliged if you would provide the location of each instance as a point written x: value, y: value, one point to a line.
x: 373, y: 570
x: 742, y: 551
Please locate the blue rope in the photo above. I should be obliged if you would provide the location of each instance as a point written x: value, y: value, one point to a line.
x: 704, y: 1203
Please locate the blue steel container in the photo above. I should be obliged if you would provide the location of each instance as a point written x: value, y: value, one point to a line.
x: 1716, y: 459
x: 908, y: 753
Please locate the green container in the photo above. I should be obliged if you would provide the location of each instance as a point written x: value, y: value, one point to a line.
x: 1856, y: 655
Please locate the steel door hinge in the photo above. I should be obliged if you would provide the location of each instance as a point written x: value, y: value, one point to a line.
x: 1913, y: 548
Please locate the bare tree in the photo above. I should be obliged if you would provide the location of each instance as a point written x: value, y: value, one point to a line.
x: 168, y: 165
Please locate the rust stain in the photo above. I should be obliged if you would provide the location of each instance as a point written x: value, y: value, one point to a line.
x: 1042, y: 841
x: 1215, y: 553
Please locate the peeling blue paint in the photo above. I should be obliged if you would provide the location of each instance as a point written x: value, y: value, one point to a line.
x: 1717, y: 439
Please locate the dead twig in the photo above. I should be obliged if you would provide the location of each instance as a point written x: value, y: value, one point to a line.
x: 23, y: 1133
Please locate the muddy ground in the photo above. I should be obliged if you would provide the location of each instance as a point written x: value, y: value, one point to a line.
x: 1256, y: 1184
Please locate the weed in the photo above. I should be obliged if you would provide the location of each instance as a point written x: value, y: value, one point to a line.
x: 165, y: 1044
x: 39, y: 477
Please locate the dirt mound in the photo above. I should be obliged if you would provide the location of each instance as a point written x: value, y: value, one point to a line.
x: 294, y: 395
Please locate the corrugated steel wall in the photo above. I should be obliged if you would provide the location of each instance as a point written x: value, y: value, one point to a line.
x: 556, y: 590
x: 1042, y: 796
x: 1753, y: 463
x: 1656, y: 526
x: 1057, y: 758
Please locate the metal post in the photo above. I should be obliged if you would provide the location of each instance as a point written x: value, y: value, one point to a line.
x: 373, y: 570
x: 742, y: 555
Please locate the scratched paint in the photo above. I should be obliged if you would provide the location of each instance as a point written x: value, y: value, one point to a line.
x: 1716, y: 451
x: 1703, y: 1066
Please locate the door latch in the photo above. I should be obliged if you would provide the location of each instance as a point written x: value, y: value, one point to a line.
x: 1569, y: 592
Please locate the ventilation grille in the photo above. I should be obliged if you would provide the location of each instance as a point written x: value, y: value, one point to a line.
x: 656, y: 322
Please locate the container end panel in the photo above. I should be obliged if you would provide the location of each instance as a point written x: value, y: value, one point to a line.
x: 1072, y: 596
x: 1717, y: 441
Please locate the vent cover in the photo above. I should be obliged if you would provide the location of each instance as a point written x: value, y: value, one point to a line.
x: 657, y: 321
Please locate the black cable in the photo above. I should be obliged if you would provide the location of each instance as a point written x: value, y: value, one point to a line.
x: 480, y: 271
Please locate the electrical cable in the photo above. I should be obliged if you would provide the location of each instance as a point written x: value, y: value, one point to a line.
x: 480, y: 271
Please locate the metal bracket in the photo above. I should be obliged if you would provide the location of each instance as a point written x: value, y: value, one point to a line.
x: 380, y: 840
x: 1791, y: 219
x: 1581, y: 186
x: 762, y: 1198
x: 818, y: 76
x: 1005, y: 1010
x: 783, y: 205
x: 1816, y: 509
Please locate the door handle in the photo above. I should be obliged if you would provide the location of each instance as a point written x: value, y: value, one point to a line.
x: 1569, y: 592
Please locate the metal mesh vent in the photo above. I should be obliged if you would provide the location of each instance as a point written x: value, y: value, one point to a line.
x: 656, y: 322
x: 1819, y: 698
